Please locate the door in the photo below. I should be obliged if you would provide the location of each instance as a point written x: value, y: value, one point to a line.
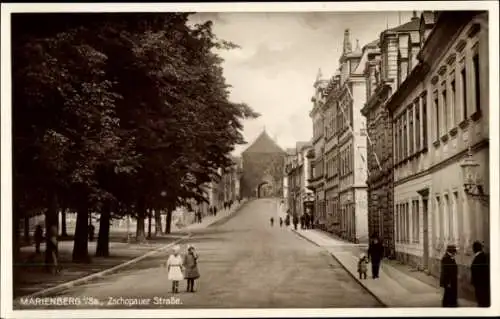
x: 425, y: 218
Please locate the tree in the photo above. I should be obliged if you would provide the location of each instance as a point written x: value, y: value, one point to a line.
x: 112, y: 109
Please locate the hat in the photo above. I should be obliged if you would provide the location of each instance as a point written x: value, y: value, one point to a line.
x: 451, y: 249
x: 362, y: 256
x: 190, y: 247
x: 176, y: 248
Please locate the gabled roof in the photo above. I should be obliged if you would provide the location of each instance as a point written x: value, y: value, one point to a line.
x: 263, y: 144
x: 412, y: 25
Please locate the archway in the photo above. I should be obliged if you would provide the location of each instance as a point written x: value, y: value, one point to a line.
x: 261, y: 188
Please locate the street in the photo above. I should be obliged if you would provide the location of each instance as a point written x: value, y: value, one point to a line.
x: 244, y: 263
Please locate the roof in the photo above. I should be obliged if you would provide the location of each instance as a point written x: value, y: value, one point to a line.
x: 301, y: 145
x: 373, y: 44
x: 291, y: 151
x: 412, y: 25
x: 263, y: 144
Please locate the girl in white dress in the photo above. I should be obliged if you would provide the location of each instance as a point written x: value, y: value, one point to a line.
x: 174, y: 268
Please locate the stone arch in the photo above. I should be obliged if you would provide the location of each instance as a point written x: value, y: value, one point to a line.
x: 266, y: 182
x: 259, y: 189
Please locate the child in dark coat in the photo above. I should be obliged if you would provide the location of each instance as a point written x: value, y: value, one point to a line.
x: 190, y: 264
x: 362, y: 266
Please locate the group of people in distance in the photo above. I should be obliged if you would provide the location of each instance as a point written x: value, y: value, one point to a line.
x: 479, y: 271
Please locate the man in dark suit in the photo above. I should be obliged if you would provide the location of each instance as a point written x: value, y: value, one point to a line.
x: 375, y: 254
x: 449, y: 277
x: 480, y: 275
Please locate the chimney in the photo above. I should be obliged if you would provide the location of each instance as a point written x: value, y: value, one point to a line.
x: 414, y: 16
x: 347, y: 42
x: 357, y: 45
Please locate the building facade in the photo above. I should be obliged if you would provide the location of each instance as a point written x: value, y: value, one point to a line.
x: 316, y: 155
x: 440, y: 114
x: 300, y: 196
x: 339, y: 166
x: 389, y: 60
x: 263, y: 163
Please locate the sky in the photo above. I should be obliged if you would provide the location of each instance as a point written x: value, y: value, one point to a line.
x: 280, y: 54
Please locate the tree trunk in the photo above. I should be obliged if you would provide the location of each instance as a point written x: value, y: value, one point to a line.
x: 27, y: 230
x: 102, y: 249
x: 81, y: 242
x: 141, y: 213
x: 64, y: 232
x: 50, y: 221
x: 150, y: 217
x: 168, y: 219
x: 157, y: 222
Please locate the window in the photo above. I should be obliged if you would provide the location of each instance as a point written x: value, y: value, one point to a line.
x: 417, y: 126
x: 416, y: 221
x: 401, y: 136
x: 456, y: 214
x: 398, y: 236
x: 405, y: 135
x: 407, y: 212
x: 445, y: 111
x: 463, y: 87
x: 448, y: 213
x: 477, y: 84
x: 410, y: 125
x: 424, y: 120
x: 453, y: 106
x: 396, y: 139
x: 436, y: 115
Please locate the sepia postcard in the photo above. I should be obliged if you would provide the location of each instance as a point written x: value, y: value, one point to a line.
x: 218, y: 160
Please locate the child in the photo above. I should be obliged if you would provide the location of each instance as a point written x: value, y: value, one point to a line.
x: 191, y: 272
x: 174, y: 268
x: 362, y: 266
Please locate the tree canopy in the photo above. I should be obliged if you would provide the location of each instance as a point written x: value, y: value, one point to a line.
x: 127, y: 110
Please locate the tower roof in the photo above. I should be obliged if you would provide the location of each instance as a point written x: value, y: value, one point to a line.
x: 263, y: 144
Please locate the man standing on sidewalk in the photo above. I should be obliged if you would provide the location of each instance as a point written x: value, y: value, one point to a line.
x: 375, y: 254
x: 480, y: 275
x: 449, y: 277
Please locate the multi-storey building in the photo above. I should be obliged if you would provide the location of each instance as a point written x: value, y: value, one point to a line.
x: 440, y: 114
x: 287, y: 198
x: 389, y: 60
x: 339, y: 169
x: 316, y: 155
x: 300, y: 196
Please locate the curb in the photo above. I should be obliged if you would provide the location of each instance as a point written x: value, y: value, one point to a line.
x: 79, y: 281
x: 83, y: 280
x: 345, y: 268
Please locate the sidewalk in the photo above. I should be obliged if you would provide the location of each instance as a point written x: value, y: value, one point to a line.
x: 33, y: 280
x: 394, y: 288
x: 210, y: 219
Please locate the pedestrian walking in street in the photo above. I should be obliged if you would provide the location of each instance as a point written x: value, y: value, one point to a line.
x: 362, y: 266
x: 287, y: 220
x: 375, y: 254
x: 480, y: 275
x: 302, y: 222
x: 281, y: 222
x: 174, y: 269
x: 38, y: 238
x: 272, y: 221
x: 449, y: 277
x: 190, y: 264
x: 295, y: 221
